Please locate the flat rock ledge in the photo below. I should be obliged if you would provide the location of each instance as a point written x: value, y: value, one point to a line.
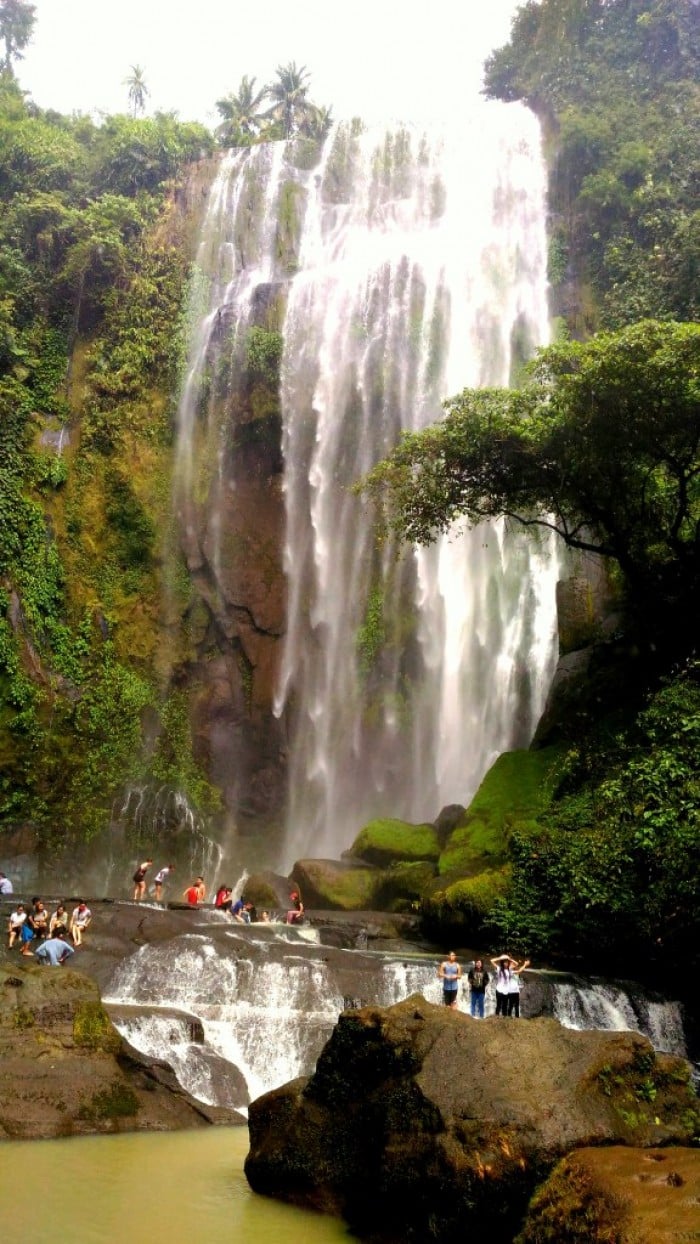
x: 65, y: 1070
x: 420, y: 1122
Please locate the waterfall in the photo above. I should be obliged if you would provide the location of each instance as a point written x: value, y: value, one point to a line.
x: 421, y: 270
x: 237, y: 1014
x: 402, y: 266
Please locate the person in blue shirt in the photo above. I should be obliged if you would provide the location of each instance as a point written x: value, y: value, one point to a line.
x: 449, y: 972
x: 54, y: 951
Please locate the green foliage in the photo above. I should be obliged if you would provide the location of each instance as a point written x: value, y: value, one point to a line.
x: 619, y: 88
x: 93, y: 1029
x: 602, y: 446
x: 615, y: 860
x: 371, y: 635
x: 264, y: 355
x: 385, y: 841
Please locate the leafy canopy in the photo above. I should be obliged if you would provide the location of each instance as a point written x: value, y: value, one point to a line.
x: 601, y: 446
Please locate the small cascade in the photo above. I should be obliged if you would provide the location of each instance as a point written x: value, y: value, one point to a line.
x: 615, y: 1007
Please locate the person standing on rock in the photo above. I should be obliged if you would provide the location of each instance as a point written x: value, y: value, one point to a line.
x: 478, y: 980
x: 450, y: 972
x: 502, y: 966
x: 140, y: 880
x: 159, y: 879
x: 515, y: 986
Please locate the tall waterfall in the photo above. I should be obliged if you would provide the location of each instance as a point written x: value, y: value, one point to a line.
x: 412, y: 264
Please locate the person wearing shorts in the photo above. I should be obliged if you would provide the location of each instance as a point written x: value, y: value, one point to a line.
x: 449, y: 972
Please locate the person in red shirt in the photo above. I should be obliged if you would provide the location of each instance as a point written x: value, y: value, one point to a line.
x: 195, y: 893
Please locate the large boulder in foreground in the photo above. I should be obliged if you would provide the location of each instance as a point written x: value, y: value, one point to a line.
x: 618, y: 1196
x: 420, y: 1122
x: 64, y: 1069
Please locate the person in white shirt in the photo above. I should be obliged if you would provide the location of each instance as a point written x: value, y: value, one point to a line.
x: 79, y: 922
x: 5, y: 885
x: 14, y: 925
x: 159, y: 879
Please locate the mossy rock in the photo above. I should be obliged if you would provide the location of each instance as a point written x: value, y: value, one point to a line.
x: 94, y: 1030
x: 404, y: 884
x: 516, y: 788
x: 335, y: 886
x: 465, y: 905
x: 384, y: 842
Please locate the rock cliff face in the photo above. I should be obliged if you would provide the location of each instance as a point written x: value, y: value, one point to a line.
x: 420, y: 1122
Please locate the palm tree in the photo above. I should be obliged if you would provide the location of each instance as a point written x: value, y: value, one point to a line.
x: 290, y: 106
x: 317, y: 122
x: 16, y: 26
x: 137, y: 90
x: 242, y: 120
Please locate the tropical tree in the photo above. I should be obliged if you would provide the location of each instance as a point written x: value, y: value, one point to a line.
x: 317, y: 122
x: 16, y: 25
x: 138, y: 91
x: 290, y: 105
x: 602, y: 447
x: 242, y: 121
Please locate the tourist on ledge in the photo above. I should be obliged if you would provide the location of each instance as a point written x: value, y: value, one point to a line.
x: 449, y: 972
x: 54, y: 951
x: 14, y: 925
x: 195, y: 893
x: 140, y: 880
x: 478, y: 980
x: 79, y: 922
x: 5, y: 885
x: 159, y: 879
x: 296, y: 913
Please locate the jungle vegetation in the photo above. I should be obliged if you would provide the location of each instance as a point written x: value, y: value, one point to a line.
x: 602, y: 444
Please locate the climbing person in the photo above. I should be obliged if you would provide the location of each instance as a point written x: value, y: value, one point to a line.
x: 502, y: 965
x: 5, y: 885
x: 54, y: 951
x: 79, y: 922
x: 295, y: 915
x: 140, y: 880
x: 478, y: 979
x: 159, y: 879
x: 14, y: 925
x: 450, y: 972
x: 515, y: 986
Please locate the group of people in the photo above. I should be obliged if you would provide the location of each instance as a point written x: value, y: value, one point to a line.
x: 158, y: 881
x: 507, y: 981
x: 48, y: 937
x: 240, y: 909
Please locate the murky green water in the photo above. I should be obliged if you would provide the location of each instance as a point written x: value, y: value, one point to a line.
x: 182, y: 1187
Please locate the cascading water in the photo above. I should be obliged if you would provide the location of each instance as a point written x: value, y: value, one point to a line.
x: 237, y: 1014
x: 412, y: 263
x: 421, y: 270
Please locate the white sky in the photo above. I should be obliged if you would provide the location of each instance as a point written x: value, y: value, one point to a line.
x: 378, y: 59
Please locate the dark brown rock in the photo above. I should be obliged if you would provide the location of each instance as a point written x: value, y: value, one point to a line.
x: 618, y: 1196
x: 420, y: 1122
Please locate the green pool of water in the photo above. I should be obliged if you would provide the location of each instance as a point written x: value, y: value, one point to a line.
x: 182, y: 1187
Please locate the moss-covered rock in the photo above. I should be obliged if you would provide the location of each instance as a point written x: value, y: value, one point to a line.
x: 387, y: 841
x: 403, y: 884
x: 518, y: 786
x: 617, y: 1195
x: 337, y: 885
x: 463, y: 906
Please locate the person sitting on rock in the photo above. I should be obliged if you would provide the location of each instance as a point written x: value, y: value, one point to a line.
x: 39, y: 918
x: 59, y: 920
x: 224, y: 898
x: 296, y: 913
x: 54, y: 951
x: 14, y: 925
x: 79, y: 922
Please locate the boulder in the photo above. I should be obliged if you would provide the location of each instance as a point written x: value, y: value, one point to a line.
x: 336, y: 885
x: 420, y: 1122
x: 387, y: 841
x: 64, y: 1069
x: 629, y: 1196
